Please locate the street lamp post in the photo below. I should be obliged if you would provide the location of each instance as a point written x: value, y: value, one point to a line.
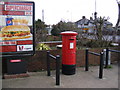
x: 118, y: 2
x: 118, y: 21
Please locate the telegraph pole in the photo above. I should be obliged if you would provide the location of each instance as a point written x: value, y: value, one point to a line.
x: 95, y: 14
x: 43, y: 15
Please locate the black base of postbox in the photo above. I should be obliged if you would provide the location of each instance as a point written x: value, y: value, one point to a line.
x: 68, y: 69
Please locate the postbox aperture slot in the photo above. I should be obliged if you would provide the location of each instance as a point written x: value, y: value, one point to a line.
x: 71, y: 39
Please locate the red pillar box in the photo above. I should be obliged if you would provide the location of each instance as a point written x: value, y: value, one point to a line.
x: 68, y: 52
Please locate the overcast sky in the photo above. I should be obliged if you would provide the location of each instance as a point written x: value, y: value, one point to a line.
x: 73, y: 10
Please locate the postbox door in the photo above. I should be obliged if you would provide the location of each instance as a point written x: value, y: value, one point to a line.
x: 72, y: 50
x: 69, y: 50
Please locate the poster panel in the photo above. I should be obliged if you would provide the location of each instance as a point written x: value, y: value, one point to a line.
x: 17, y: 27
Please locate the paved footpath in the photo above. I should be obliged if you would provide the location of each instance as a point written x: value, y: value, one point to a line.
x: 81, y: 79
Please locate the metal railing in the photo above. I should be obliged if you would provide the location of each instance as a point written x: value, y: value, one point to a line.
x: 87, y: 61
x: 107, y: 55
x: 57, y: 59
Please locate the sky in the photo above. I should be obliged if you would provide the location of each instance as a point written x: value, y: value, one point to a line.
x: 73, y: 10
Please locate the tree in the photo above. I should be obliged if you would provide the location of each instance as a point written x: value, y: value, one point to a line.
x: 101, y: 41
x: 61, y: 27
x: 55, y: 31
x: 39, y: 25
x: 97, y: 39
x: 41, y: 33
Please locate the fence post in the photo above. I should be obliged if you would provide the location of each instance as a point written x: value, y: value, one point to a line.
x: 58, y: 70
x: 48, y: 64
x: 86, y: 60
x: 104, y: 56
x: 101, y: 66
x: 107, y: 55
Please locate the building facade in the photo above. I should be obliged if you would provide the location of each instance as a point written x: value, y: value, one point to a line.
x: 88, y: 25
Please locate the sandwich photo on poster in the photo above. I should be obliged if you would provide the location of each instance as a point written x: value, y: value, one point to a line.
x: 17, y: 26
x: 15, y: 29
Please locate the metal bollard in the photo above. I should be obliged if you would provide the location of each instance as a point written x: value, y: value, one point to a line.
x: 57, y: 70
x: 107, y: 55
x: 101, y: 66
x: 48, y: 64
x: 86, y: 60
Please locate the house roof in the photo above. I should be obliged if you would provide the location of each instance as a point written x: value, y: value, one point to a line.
x: 83, y: 21
x: 108, y: 23
x: 87, y: 21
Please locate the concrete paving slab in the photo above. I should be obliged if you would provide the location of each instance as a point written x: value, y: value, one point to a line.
x: 81, y: 79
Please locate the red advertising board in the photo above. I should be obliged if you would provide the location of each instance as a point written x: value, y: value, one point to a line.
x: 17, y: 27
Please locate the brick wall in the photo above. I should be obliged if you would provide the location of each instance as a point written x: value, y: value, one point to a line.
x: 38, y: 61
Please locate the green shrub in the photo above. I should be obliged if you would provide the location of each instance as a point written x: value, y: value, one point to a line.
x: 42, y: 46
x: 109, y: 67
